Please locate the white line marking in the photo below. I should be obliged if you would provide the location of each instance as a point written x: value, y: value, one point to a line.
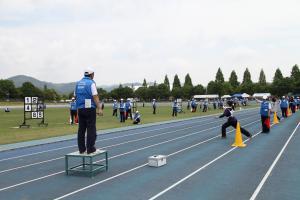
x: 50, y: 175
x: 117, y: 137
x: 105, y: 180
x: 112, y: 138
x: 195, y: 172
x: 259, y: 187
x: 114, y: 145
x: 198, y: 170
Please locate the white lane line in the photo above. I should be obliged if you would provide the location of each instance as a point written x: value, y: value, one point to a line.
x: 140, y: 166
x: 129, y: 152
x: 196, y: 171
x: 127, y: 135
x: 259, y: 187
x: 114, y: 145
x: 60, y: 172
x: 112, y: 138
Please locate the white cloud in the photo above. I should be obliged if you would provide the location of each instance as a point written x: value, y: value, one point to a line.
x: 128, y: 40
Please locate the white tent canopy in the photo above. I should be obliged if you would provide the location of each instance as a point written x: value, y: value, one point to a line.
x: 245, y: 95
x: 206, y: 96
x: 225, y: 96
x: 260, y: 95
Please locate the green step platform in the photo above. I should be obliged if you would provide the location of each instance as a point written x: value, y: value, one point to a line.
x: 86, y: 164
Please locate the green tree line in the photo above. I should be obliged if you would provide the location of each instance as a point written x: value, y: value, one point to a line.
x: 279, y: 86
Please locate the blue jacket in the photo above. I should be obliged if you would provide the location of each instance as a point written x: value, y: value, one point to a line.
x: 284, y: 103
x: 83, y: 92
x: 122, y: 107
x: 264, y: 109
x: 174, y: 105
x: 115, y: 105
x: 128, y: 105
x: 73, y: 105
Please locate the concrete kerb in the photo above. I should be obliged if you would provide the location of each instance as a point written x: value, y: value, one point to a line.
x: 33, y: 143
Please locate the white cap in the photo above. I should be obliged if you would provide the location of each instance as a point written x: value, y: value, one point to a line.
x: 265, y: 97
x: 283, y: 96
x: 73, y: 98
x: 137, y: 111
x: 88, y: 71
x: 121, y: 99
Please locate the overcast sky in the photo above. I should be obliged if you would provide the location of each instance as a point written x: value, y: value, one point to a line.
x: 129, y: 40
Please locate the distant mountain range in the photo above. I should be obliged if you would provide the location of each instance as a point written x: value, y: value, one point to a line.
x: 61, y: 88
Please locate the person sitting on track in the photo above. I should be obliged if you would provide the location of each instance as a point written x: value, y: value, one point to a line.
x: 137, y: 118
x: 231, y: 120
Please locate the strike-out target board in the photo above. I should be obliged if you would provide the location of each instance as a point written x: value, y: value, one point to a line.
x: 34, y: 108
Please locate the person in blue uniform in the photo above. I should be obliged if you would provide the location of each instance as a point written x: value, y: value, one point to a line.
x: 122, y: 110
x: 194, y: 105
x: 205, y: 106
x: 128, y: 109
x: 298, y: 103
x: 73, y: 111
x: 231, y: 120
x: 215, y: 104
x: 293, y: 104
x: 115, y: 108
x: 265, y: 109
x: 174, y: 108
x: 154, y: 106
x: 283, y: 106
x: 137, y: 118
x: 88, y: 105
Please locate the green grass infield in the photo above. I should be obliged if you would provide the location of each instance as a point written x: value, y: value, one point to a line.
x: 58, y: 122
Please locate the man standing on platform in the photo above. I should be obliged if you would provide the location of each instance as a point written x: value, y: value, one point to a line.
x: 88, y: 105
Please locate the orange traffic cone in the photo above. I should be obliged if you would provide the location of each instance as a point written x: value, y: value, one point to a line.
x: 238, y: 137
x: 275, y: 119
x: 289, y: 112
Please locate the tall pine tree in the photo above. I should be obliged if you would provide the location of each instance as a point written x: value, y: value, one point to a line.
x: 295, y: 78
x: 247, y: 77
x: 188, y: 81
x: 262, y: 78
x: 278, y: 75
x: 233, y: 80
x: 144, y: 83
x: 176, y: 82
x: 219, y: 76
x: 295, y: 74
x: 167, y: 82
